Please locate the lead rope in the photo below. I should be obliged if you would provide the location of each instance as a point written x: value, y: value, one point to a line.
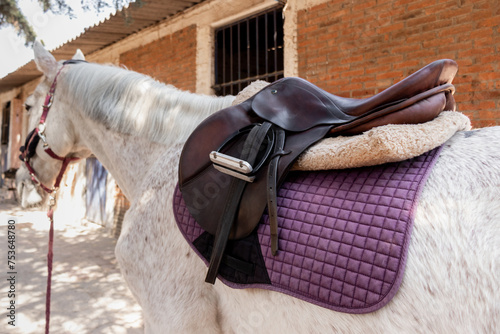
x: 50, y: 256
x: 25, y: 156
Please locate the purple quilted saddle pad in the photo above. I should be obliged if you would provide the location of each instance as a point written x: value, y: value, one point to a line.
x: 343, y: 236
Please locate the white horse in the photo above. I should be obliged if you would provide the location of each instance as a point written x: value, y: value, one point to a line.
x: 136, y: 128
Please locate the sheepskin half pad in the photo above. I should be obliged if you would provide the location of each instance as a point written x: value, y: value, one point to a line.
x: 343, y: 236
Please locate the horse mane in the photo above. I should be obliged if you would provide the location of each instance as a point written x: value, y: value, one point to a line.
x: 132, y: 103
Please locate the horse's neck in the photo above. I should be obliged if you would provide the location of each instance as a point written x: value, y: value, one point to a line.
x: 126, y: 157
x: 126, y: 124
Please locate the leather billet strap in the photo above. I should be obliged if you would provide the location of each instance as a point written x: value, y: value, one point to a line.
x: 250, y: 151
x: 272, y: 188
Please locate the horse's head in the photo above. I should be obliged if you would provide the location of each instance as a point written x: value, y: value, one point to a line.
x: 52, y: 143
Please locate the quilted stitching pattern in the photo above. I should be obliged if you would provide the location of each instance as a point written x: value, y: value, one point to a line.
x: 188, y: 226
x: 343, y: 235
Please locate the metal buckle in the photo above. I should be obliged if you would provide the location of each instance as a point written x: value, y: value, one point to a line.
x: 41, y: 128
x: 41, y: 134
x: 52, y: 198
x: 48, y: 103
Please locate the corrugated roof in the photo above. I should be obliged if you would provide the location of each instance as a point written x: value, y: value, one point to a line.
x: 126, y: 22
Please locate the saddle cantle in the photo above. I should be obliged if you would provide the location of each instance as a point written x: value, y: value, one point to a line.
x: 233, y: 163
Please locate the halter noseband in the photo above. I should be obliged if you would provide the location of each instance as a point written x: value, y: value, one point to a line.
x: 29, y: 148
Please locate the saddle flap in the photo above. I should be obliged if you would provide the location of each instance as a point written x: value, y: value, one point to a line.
x: 296, y: 105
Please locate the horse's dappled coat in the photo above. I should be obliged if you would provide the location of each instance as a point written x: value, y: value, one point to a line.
x: 451, y: 281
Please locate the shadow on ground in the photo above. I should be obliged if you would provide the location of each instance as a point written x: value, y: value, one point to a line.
x: 89, y: 294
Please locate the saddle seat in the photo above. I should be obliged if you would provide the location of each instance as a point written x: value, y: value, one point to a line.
x: 234, y: 161
x: 294, y: 104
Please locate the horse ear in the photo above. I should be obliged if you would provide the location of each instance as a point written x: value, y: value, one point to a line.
x: 79, y: 55
x: 45, y: 61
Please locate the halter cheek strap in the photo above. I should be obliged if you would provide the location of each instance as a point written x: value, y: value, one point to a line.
x: 39, y: 133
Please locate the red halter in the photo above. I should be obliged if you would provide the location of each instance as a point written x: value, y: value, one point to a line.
x: 27, y: 152
x: 38, y: 133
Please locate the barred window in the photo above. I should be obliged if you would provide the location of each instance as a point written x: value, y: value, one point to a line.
x: 249, y: 50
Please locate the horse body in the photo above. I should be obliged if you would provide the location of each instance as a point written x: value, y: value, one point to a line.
x: 451, y: 281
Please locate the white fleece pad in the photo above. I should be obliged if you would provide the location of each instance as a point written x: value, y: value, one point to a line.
x: 388, y: 143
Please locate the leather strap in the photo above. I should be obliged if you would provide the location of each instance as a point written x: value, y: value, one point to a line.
x: 249, y: 153
x: 272, y: 188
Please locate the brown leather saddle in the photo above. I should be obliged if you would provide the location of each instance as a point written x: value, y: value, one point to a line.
x: 234, y: 161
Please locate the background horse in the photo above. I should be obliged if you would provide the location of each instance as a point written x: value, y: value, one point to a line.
x: 136, y: 127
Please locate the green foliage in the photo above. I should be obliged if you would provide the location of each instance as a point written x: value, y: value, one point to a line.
x: 11, y: 14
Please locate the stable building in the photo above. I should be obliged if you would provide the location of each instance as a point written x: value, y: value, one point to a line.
x: 351, y: 49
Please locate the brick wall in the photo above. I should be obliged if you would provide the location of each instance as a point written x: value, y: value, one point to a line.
x: 171, y: 59
x: 358, y: 48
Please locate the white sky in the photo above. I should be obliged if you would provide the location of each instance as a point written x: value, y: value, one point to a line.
x: 53, y: 30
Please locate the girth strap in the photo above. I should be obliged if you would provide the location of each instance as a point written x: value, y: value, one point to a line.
x: 250, y: 151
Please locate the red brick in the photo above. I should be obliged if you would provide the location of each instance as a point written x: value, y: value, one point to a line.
x: 406, y: 64
x: 456, y: 29
x: 396, y: 75
x: 476, y: 52
x: 420, y: 4
x: 478, y: 68
x: 436, y: 25
x: 489, y: 22
x: 352, y: 59
x: 363, y: 93
x: 379, y: 83
x: 352, y: 86
x: 484, y: 123
x: 392, y: 27
x: 167, y: 59
x: 447, y: 40
x: 489, y: 112
x: 406, y: 48
x: 352, y: 73
x: 390, y: 59
x: 378, y: 69
x: 397, y: 37
x: 480, y: 33
x: 394, y: 11
x: 427, y: 19
x: 455, y: 13
x: 402, y: 2
x: 364, y: 5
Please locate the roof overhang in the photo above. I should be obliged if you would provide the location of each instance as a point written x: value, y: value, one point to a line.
x: 130, y: 20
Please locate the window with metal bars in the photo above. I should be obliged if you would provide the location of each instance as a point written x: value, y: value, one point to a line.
x: 249, y: 50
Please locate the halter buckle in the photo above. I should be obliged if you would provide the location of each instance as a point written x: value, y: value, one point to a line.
x: 34, y: 178
x: 48, y: 100
x: 41, y: 134
x: 41, y: 128
x: 52, y: 200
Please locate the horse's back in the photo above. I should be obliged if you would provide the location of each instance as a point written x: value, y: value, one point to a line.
x: 450, y: 283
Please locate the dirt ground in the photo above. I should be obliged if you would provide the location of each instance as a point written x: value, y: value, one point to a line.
x: 89, y: 294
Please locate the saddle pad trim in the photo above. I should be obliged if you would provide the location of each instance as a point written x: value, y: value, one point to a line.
x: 276, y: 286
